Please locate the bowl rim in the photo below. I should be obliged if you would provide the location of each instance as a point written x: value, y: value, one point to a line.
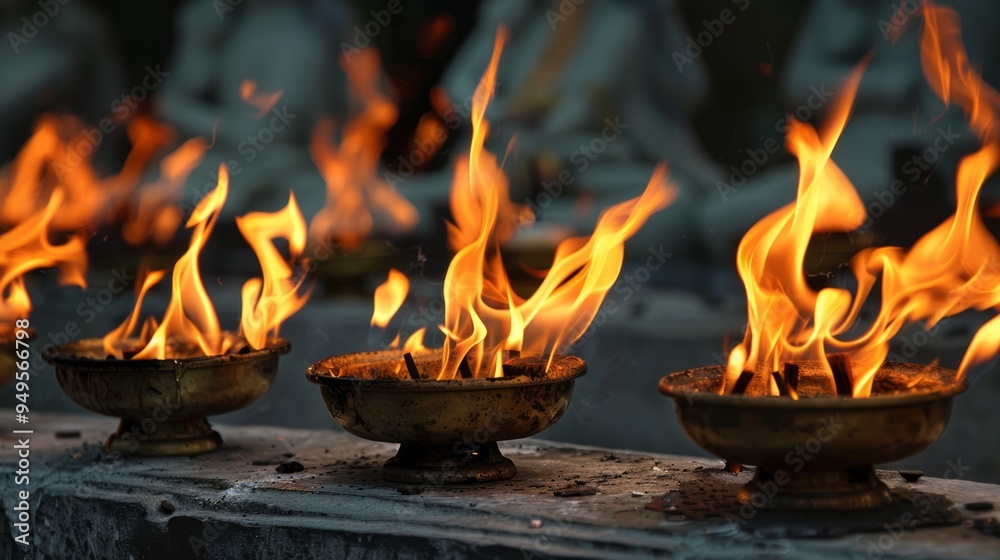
x: 56, y: 356
x: 571, y: 367
x: 810, y: 403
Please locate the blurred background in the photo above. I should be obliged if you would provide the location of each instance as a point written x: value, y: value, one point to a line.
x: 362, y: 109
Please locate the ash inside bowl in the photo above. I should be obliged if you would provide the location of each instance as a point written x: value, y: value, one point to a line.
x: 893, y: 378
x: 390, y: 365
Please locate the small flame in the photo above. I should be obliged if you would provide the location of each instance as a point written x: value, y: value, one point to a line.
x: 356, y: 194
x: 268, y: 302
x: 952, y: 268
x: 259, y: 100
x: 415, y: 342
x: 27, y: 247
x: 389, y: 297
x: 115, y: 340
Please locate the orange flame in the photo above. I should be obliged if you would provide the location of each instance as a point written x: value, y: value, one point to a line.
x: 269, y: 301
x: 27, y: 247
x: 389, y: 296
x: 952, y: 268
x: 483, y: 314
x: 190, y: 321
x: 355, y: 192
x: 156, y: 214
x: 190, y: 326
x: 259, y: 100
x: 56, y: 156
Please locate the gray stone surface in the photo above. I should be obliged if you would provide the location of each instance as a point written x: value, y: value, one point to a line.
x: 233, y: 504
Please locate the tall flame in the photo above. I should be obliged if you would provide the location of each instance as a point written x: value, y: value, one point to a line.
x: 190, y: 326
x: 190, y: 319
x: 356, y: 193
x: 952, y: 268
x: 267, y: 302
x: 483, y: 314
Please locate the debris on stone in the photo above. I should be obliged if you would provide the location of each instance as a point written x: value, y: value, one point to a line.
x: 637, y: 494
x: 610, y: 457
x: 535, y: 524
x: 911, y: 476
x: 409, y: 490
x: 167, y: 507
x: 289, y: 467
x: 571, y: 492
x: 987, y: 526
x: 979, y: 506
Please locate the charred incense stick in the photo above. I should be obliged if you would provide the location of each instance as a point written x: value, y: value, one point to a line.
x: 411, y: 367
x: 742, y: 383
x: 843, y: 377
x: 782, y: 384
x: 464, y: 369
x: 792, y: 375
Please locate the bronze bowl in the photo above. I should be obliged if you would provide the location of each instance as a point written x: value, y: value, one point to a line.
x: 816, y: 453
x: 447, y: 430
x: 163, y: 404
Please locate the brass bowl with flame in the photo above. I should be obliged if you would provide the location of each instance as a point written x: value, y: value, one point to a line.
x: 816, y: 453
x: 163, y: 404
x: 447, y: 430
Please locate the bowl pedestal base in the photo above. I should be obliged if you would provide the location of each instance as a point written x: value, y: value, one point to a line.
x: 448, y: 464
x: 149, y: 438
x: 816, y: 490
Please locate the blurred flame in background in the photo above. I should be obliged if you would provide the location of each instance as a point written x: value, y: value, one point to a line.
x: 27, y: 247
x: 356, y: 194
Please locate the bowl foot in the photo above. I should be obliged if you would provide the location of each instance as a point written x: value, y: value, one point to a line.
x: 816, y: 490
x: 157, y: 439
x: 448, y: 464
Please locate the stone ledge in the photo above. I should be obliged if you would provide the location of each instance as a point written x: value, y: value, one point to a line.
x: 233, y: 504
